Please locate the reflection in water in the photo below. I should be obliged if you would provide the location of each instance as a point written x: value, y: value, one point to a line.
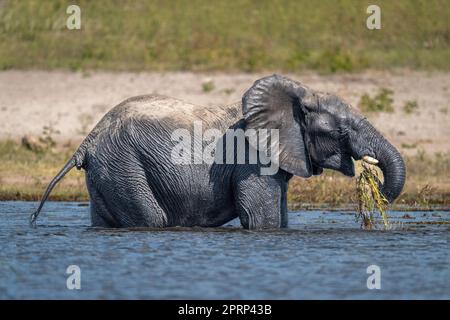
x: 322, y: 255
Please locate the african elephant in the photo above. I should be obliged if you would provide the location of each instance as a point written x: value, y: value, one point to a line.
x: 133, y: 181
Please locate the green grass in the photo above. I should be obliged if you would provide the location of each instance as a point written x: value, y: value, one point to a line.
x: 410, y: 107
x: 381, y: 102
x: 208, y: 86
x: 291, y: 35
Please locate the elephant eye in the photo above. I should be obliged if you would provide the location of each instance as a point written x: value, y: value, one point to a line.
x: 334, y: 133
x: 342, y: 134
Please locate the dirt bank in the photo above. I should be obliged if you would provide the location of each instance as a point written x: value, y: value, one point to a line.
x: 73, y: 102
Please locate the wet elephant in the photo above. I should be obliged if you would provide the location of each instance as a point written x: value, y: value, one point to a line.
x: 133, y: 180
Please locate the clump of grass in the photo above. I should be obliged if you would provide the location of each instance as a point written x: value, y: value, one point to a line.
x: 45, y: 142
x: 409, y: 145
x: 370, y: 198
x: 48, y: 132
x: 381, y: 102
x: 410, y: 107
x: 424, y: 195
x: 228, y: 91
x: 208, y: 86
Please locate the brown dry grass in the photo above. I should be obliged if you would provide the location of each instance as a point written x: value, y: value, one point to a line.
x: 24, y: 174
x: 427, y: 185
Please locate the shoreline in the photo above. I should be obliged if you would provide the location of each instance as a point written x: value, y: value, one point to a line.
x: 348, y: 208
x: 45, y: 114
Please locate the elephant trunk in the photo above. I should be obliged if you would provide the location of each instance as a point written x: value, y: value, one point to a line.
x: 378, y: 149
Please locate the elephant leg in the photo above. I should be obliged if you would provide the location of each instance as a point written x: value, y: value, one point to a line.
x: 284, y: 211
x: 121, y: 194
x: 261, y: 201
x: 100, y: 216
x: 135, y: 205
x: 135, y: 209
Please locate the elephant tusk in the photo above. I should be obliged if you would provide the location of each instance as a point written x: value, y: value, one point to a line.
x: 370, y: 160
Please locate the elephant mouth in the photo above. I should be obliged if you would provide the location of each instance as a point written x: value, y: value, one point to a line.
x: 343, y: 164
x: 317, y: 170
x: 348, y: 168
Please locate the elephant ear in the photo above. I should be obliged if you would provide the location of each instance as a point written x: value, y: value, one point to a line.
x: 276, y: 102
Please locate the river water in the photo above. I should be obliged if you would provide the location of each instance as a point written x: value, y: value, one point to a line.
x: 322, y: 255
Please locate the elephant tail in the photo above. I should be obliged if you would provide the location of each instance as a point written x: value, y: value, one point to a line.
x: 69, y: 165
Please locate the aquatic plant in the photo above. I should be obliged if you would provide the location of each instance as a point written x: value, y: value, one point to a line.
x: 370, y: 198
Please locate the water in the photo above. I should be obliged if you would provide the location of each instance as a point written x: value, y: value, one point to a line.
x: 323, y: 255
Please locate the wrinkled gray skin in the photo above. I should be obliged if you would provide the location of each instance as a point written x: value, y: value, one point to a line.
x: 132, y: 181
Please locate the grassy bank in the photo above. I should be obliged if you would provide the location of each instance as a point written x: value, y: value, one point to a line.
x: 290, y: 35
x: 427, y: 185
x: 24, y: 174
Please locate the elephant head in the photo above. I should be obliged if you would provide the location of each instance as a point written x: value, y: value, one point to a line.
x: 319, y: 130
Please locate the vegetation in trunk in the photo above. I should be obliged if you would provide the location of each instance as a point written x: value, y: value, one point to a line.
x: 370, y: 198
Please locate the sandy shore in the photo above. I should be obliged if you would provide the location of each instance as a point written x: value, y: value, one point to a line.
x: 73, y: 102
